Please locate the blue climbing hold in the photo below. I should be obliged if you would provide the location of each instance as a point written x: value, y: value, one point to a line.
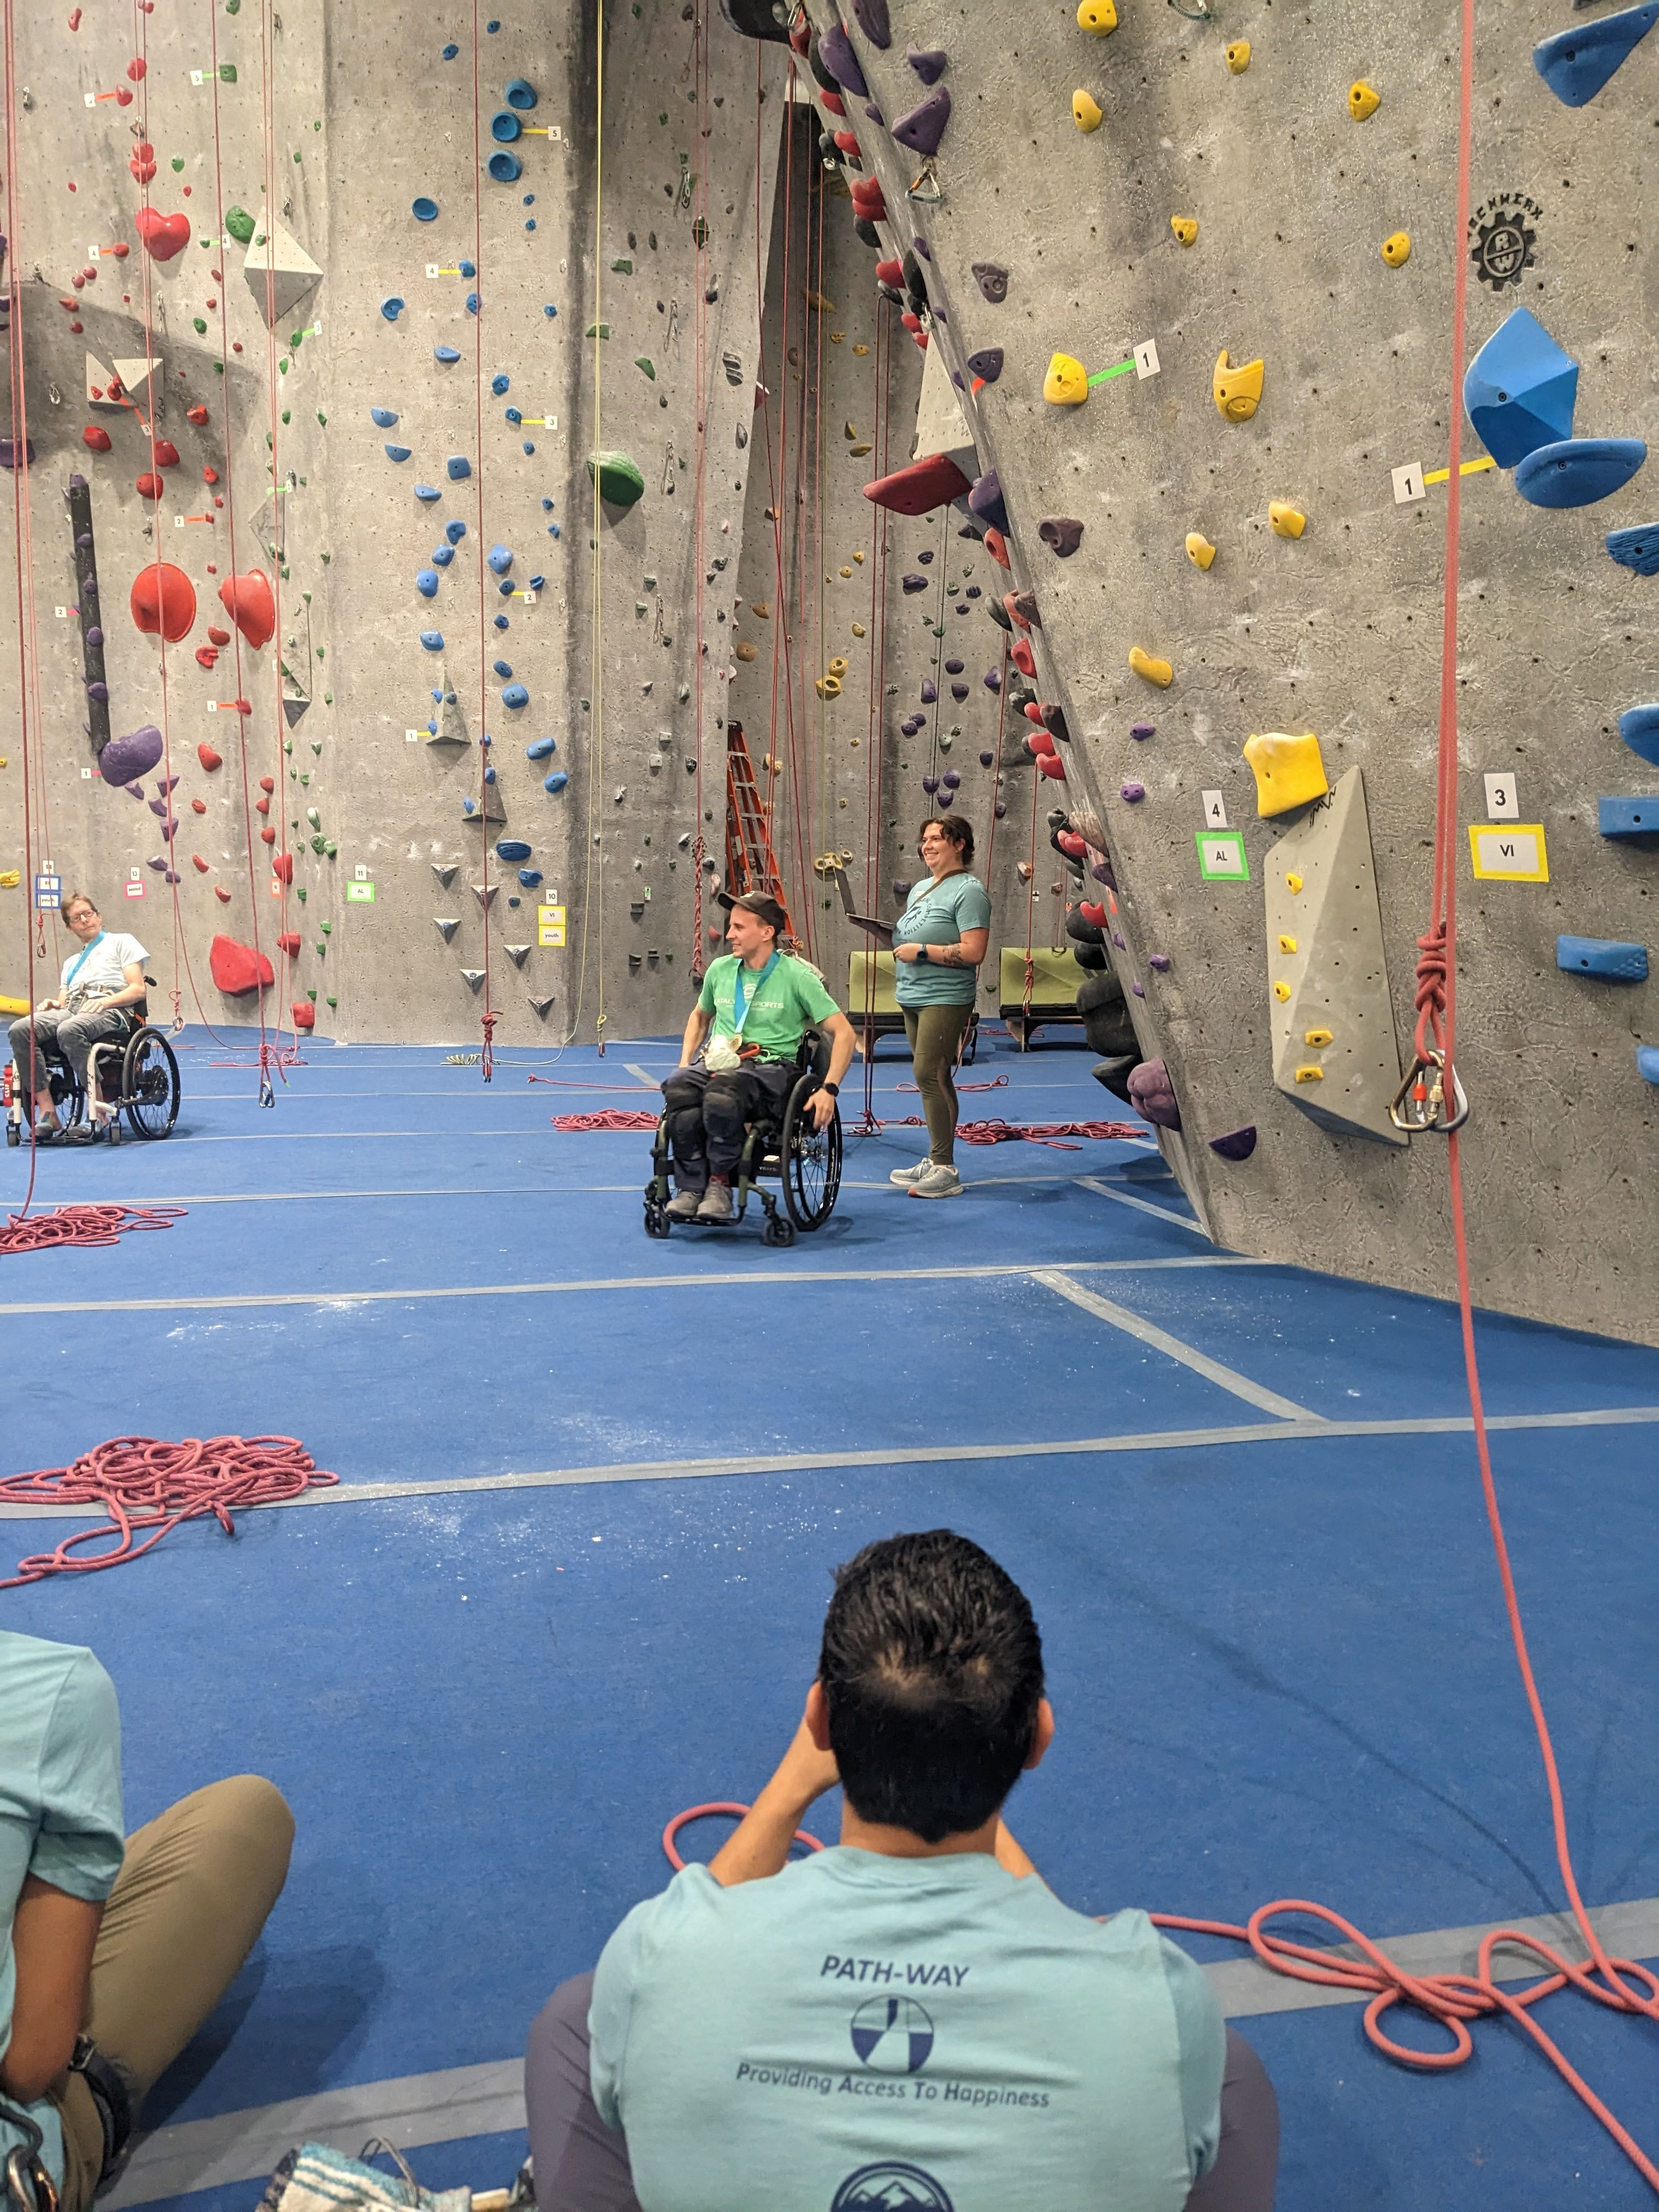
x: 557, y: 780
x: 469, y: 806
x: 446, y: 353
x: 550, y: 311
x: 547, y: 504
x: 504, y: 167
x: 426, y: 583
x: 458, y: 467
x: 530, y: 878
x: 513, y: 414
x: 501, y: 621
x: 505, y: 587
x: 473, y: 303
x: 1637, y: 548
x: 1629, y: 818
x: 498, y: 384
x: 536, y: 584
x: 1604, y: 957
x: 501, y: 559
x: 442, y: 556
x: 1579, y: 471
x: 1520, y: 390
x: 512, y: 848
x: 503, y: 668
x: 529, y: 446
x: 450, y: 52
x: 427, y: 492
x: 424, y: 210
x: 391, y: 307
x: 520, y: 93
x: 454, y: 532
x: 1647, y: 1062
x: 433, y: 640
x: 489, y: 775
x: 543, y: 749
x: 383, y: 418
x: 1639, y: 729
x: 469, y: 267
x: 1576, y: 63
x: 516, y: 696
x: 504, y: 126
x: 397, y: 452
x: 554, y: 530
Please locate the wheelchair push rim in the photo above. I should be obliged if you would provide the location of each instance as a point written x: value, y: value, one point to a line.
x: 809, y: 1160
x: 149, y: 1084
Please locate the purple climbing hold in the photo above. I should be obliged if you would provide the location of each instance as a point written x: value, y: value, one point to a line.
x: 1062, y: 533
x: 930, y: 785
x: 99, y: 690
x: 929, y: 692
x: 921, y: 245
x: 1102, y: 872
x: 874, y: 113
x: 1139, y: 989
x: 987, y: 759
x: 953, y: 668
x: 992, y: 281
x: 915, y: 583
x: 1151, y: 1093
x: 1160, y: 962
x: 949, y: 779
x: 901, y: 890
x: 1118, y: 940
x: 1142, y: 731
x: 874, y: 21
x: 1131, y: 794
x: 985, y: 499
x: 8, y: 451
x: 94, y: 635
x: 987, y: 363
x: 993, y: 679
x: 958, y: 692
x: 125, y: 759
x: 928, y: 63
x: 924, y: 126
x: 1237, y: 1145
x: 836, y: 52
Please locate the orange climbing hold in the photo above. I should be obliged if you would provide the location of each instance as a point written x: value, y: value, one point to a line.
x: 163, y: 599
x: 918, y: 488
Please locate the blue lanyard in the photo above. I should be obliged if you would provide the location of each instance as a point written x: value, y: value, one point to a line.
x: 86, y: 952
x: 740, y: 1000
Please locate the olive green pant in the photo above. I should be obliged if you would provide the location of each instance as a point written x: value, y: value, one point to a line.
x: 193, y: 1892
x: 936, y: 1034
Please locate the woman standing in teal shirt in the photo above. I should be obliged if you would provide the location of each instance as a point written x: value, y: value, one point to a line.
x: 939, y: 942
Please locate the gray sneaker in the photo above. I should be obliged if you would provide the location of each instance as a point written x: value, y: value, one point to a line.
x: 936, y: 1183
x: 908, y: 1178
x: 716, y: 1203
x: 683, y: 1206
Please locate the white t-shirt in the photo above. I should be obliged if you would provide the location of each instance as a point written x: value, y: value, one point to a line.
x: 93, y: 971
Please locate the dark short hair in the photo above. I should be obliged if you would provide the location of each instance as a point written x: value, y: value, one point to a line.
x: 957, y: 828
x: 931, y: 1669
x: 80, y: 898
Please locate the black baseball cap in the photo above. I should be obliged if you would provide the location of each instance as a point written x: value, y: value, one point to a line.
x: 757, y: 903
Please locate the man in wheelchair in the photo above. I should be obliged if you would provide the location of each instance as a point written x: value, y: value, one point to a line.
x: 759, y: 1002
x: 100, y: 999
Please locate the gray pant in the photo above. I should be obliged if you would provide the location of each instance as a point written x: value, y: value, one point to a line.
x: 74, y: 1036
x: 582, y: 2166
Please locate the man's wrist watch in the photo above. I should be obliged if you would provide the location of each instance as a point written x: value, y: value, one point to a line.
x: 921, y: 952
x: 833, y: 1089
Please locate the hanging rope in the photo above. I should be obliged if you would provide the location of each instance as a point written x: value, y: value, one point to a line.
x: 488, y: 1018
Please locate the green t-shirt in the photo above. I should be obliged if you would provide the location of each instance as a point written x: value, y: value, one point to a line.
x: 937, y: 914
x: 776, y: 1012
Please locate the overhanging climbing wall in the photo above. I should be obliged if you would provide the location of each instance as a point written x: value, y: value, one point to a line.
x: 1245, y: 263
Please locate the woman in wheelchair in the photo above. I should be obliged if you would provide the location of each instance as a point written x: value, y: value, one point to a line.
x: 759, y: 1003
x: 100, y: 1001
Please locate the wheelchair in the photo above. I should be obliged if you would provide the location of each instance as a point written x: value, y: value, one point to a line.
x: 785, y: 1145
x: 135, y: 1075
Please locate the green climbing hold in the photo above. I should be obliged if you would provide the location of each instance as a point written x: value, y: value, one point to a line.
x: 618, y: 477
x: 299, y: 893
x: 317, y: 847
x: 312, y: 815
x: 330, y: 848
x: 328, y: 696
x: 287, y: 744
x: 622, y: 268
x: 199, y: 325
x: 226, y: 72
x: 645, y: 363
x: 327, y: 928
x: 312, y: 995
x: 596, y: 331
x: 239, y: 223
x: 316, y: 749
x: 178, y: 163
x: 333, y: 1002
x: 232, y: 7
x: 323, y: 419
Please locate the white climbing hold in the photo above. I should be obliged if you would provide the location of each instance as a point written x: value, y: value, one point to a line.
x: 446, y: 929
x: 474, y: 976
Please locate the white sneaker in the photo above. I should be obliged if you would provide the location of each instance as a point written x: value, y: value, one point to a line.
x: 716, y: 1203
x: 907, y: 1178
x: 684, y: 1205
x: 936, y: 1183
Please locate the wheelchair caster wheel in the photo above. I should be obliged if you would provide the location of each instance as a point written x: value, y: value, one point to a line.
x: 656, y: 1221
x: 778, y: 1232
x: 112, y: 1132
x: 14, y: 1135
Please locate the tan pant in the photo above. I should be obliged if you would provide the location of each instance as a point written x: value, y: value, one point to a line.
x: 193, y: 1892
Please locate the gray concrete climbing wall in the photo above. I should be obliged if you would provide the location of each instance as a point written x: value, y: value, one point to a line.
x: 1237, y: 118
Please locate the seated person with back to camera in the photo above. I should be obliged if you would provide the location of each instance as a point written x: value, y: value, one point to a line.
x: 912, y: 2019
x: 100, y: 984
x: 759, y: 1000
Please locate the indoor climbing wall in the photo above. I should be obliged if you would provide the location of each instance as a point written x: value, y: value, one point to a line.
x: 1191, y: 269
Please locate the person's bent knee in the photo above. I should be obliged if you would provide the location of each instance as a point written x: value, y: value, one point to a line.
x: 566, y: 2008
x: 252, y: 1812
x: 682, y: 1090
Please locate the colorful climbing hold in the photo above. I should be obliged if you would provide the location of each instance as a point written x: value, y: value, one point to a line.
x: 1238, y: 56
x: 1185, y: 228
x: 163, y: 600
x: 992, y: 281
x: 618, y: 478
x: 250, y: 602
x: 1578, y: 472
x: 1200, y: 551
x: 1362, y: 100
x: 1397, y: 249
x: 1286, y: 520
x: 1067, y: 383
x: 1086, y: 111
x: 1149, y: 665
x: 1577, y: 62
x: 1289, y: 771
x: 424, y: 210
x: 1520, y: 389
x: 1097, y: 16
x: 1062, y: 533
x: 1237, y: 389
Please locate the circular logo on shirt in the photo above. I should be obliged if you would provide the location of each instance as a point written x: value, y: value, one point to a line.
x: 889, y: 2186
x: 893, y: 2035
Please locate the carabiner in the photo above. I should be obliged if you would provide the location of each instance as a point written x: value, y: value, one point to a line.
x: 1420, y: 1104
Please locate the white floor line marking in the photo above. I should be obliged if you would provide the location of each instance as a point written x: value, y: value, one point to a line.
x: 818, y: 1462
x: 476, y: 1190
x: 723, y: 1280
x: 644, y: 1075
x: 1148, y: 1332
x: 1142, y: 1206
x: 465, y: 2101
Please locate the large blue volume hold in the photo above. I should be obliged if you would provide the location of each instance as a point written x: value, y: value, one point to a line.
x: 1639, y: 729
x: 1637, y: 548
x: 1520, y: 390
x: 1629, y: 818
x: 1578, y: 472
x: 1604, y: 957
x: 1576, y: 63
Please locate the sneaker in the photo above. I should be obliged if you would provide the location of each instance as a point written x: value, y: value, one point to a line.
x: 716, y: 1203
x: 683, y: 1206
x: 908, y: 1178
x: 936, y: 1183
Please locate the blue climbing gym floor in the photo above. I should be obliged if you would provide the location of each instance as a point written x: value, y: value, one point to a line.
x: 592, y: 1491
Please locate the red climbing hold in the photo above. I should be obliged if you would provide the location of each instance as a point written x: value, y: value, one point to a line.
x: 197, y: 415
x: 304, y: 1014
x: 268, y: 836
x: 163, y: 599
x: 997, y: 546
x: 150, y: 487
x: 868, y: 200
x: 164, y: 235
x: 289, y: 942
x: 199, y: 807
x: 247, y: 600
x: 221, y: 893
x: 210, y: 477
x: 74, y: 19
x: 848, y: 142
x: 195, y: 859
x: 164, y: 453
x: 1051, y: 764
x: 222, y: 637
x: 911, y: 321
x: 207, y: 656
x: 237, y: 969
x: 282, y: 867
x: 833, y: 102
x: 1022, y: 656
x: 95, y: 438
x: 918, y: 488
x: 267, y: 784
x: 143, y: 166
x: 890, y: 273
x: 208, y: 758
x: 137, y: 69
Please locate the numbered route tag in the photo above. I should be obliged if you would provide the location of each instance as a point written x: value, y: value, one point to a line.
x: 1146, y: 361
x: 1409, y: 484
x: 1502, y: 801
x: 360, y: 894
x: 1215, y: 810
x: 1510, y: 856
x: 1222, y: 858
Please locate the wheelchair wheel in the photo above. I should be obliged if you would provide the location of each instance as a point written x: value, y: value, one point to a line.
x: 149, y: 1084
x: 656, y: 1220
x: 778, y: 1230
x: 810, y: 1160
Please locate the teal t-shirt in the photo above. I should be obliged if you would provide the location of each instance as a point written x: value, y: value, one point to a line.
x: 60, y: 1806
x: 776, y: 1013
x: 861, y: 2031
x: 937, y: 914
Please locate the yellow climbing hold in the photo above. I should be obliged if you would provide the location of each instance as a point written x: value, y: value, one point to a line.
x: 1287, y: 944
x: 835, y: 337
x: 743, y: 650
x: 1200, y: 551
x: 1397, y: 249
x: 848, y: 432
x: 838, y: 667
x: 1293, y: 882
x: 858, y: 451
x: 858, y: 557
x: 10, y: 879
x: 846, y: 572
x: 1099, y: 16
x: 817, y: 301
x: 1287, y: 521
x: 1067, y: 383
x: 858, y: 631
x: 1238, y: 56
x: 1289, y: 771
x: 860, y: 350
x: 1364, y: 100
x: 761, y: 610
x: 829, y: 687
x: 1185, y: 228
x: 1316, y: 1037
x: 1311, y: 1074
x: 1085, y: 111
x: 1281, y: 991
x: 1149, y: 665
x: 1237, y: 390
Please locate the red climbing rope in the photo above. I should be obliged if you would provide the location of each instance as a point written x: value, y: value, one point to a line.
x: 82, y: 1224
x: 608, y: 1117
x: 143, y: 1484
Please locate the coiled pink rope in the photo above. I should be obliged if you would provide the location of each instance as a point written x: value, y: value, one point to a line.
x: 81, y: 1225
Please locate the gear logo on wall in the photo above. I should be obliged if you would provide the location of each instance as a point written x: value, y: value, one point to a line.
x: 1501, y: 240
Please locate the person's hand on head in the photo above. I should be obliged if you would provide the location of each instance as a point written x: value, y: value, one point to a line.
x: 805, y: 1773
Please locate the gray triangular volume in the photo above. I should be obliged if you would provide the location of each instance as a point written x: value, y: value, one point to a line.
x: 295, y: 697
x: 486, y: 897
x: 278, y: 269
x: 474, y: 976
x: 539, y: 1006
x: 445, y: 876
x: 518, y: 954
x: 446, y: 928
